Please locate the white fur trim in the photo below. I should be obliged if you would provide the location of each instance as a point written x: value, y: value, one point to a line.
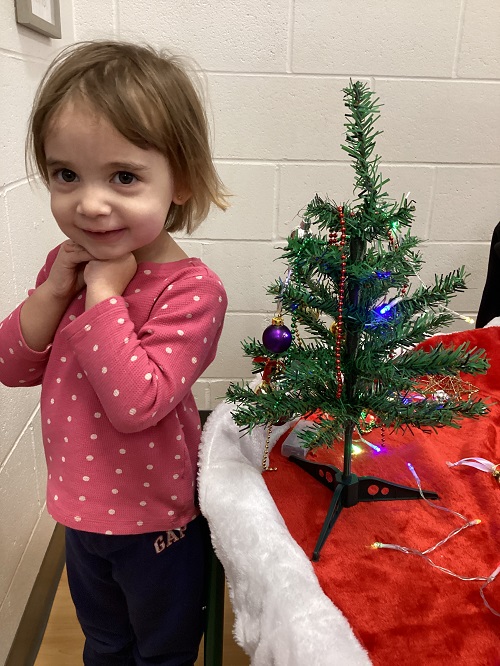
x: 283, y: 618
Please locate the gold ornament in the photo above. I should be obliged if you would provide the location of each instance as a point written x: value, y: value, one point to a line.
x: 453, y: 386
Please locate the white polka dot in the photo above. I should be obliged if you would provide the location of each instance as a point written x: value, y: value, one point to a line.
x: 148, y: 376
x: 194, y: 360
x: 179, y: 332
x: 95, y: 347
x: 177, y: 457
x: 111, y: 512
x: 189, y: 316
x: 172, y: 398
x: 133, y: 358
x: 153, y: 415
x: 199, y: 277
x: 69, y: 419
x: 52, y: 401
x: 1, y: 360
x: 89, y: 458
x: 115, y: 491
x: 169, y: 287
x: 66, y: 440
x: 113, y: 301
x: 97, y: 415
x: 174, y: 497
x: 49, y: 421
x: 178, y: 438
x: 60, y: 478
x: 126, y: 340
x: 171, y: 513
x: 88, y: 327
x: 78, y: 518
x: 220, y: 299
x: 149, y: 467
x: 62, y: 457
x: 48, y: 440
x: 168, y: 350
x: 56, y: 497
x: 137, y: 291
x: 104, y: 370
x: 175, y: 476
x: 205, y: 340
x: 164, y: 307
x: 147, y: 272
x: 143, y: 503
x: 121, y: 320
x: 11, y: 350
x: 63, y: 359
x: 196, y: 298
x: 86, y: 478
x: 109, y: 532
x: 183, y: 380
x: 116, y: 393
x: 93, y: 436
x: 139, y: 522
x: 72, y: 317
x: 82, y: 498
x: 79, y: 375
x: 146, y: 485
x: 132, y: 411
x: 213, y: 320
x: 122, y: 451
x: 151, y: 445
x: 73, y: 397
x: 118, y: 471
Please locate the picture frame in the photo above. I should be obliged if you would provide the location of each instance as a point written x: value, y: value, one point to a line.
x: 43, y: 16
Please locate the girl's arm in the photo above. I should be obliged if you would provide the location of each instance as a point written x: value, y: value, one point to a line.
x: 26, y: 334
x: 141, y: 375
x: 43, y: 309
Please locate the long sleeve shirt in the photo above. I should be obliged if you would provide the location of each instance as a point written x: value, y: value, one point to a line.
x: 489, y: 307
x: 120, y: 425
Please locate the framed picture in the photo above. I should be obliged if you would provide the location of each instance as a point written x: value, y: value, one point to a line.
x: 43, y: 16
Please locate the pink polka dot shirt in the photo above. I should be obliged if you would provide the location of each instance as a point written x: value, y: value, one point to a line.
x: 120, y: 425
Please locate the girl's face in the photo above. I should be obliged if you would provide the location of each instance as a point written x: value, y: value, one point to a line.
x: 107, y: 195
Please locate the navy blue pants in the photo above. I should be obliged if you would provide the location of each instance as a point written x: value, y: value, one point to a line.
x: 139, y: 598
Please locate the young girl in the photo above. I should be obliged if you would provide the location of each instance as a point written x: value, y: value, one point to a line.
x: 120, y: 325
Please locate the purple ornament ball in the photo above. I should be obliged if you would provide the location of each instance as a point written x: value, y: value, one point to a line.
x: 277, y: 339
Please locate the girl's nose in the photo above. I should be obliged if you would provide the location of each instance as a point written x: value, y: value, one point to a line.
x: 92, y: 203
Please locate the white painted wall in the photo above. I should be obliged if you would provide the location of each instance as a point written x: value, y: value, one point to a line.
x: 275, y: 71
x: 27, y: 232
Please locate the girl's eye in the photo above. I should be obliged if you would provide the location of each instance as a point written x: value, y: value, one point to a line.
x: 125, y: 178
x: 66, y: 175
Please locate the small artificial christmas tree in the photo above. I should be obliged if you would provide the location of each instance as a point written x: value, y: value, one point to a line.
x: 348, y: 287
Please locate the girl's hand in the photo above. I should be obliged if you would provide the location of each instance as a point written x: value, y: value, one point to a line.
x: 105, y: 279
x: 66, y: 275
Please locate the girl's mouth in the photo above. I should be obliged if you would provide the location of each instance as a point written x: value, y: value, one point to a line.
x: 104, y: 236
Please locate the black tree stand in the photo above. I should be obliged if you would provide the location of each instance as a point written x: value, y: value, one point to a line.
x: 349, y: 489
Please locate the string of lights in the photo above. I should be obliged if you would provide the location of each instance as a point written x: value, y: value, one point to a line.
x: 486, y: 580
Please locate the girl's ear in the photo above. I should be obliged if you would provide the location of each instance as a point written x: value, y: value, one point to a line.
x: 181, y: 195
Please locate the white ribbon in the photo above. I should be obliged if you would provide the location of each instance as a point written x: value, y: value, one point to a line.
x: 479, y: 463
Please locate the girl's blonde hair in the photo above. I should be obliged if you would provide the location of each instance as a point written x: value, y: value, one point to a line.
x: 150, y: 99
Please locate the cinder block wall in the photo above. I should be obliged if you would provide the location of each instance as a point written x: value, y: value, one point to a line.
x: 27, y: 232
x: 275, y: 73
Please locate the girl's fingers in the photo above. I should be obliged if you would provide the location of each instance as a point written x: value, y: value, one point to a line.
x: 79, y: 253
